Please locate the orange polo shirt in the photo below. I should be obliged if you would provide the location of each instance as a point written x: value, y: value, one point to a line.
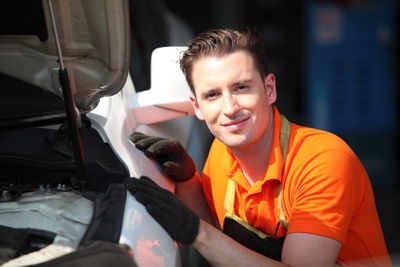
x: 326, y: 191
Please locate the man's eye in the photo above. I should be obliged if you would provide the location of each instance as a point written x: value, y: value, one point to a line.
x: 210, y: 96
x: 241, y: 88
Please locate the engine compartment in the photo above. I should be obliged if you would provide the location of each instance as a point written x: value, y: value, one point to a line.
x: 44, y: 204
x: 67, y: 214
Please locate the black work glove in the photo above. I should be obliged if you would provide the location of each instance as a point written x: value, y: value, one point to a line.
x: 169, y: 153
x: 180, y: 222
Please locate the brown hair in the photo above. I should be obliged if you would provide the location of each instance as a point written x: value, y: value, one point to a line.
x: 219, y: 42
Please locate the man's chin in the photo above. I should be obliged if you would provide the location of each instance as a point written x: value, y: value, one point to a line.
x: 234, y: 143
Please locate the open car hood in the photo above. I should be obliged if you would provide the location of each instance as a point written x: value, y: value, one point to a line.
x: 93, y: 40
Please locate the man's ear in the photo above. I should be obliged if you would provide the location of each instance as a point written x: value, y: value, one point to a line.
x: 270, y: 88
x: 196, y: 107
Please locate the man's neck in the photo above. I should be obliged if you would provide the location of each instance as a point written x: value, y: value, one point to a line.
x: 254, y: 159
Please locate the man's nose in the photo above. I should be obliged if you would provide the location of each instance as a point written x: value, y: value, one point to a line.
x: 231, y: 105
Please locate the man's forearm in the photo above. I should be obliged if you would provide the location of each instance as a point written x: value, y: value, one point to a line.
x: 215, y: 246
x: 221, y: 250
x: 191, y: 193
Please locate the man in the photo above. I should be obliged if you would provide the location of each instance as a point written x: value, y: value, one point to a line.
x: 282, y: 193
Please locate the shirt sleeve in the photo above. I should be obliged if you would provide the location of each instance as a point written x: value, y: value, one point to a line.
x: 328, y: 188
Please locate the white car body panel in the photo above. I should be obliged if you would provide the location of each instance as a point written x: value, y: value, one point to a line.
x: 116, y: 117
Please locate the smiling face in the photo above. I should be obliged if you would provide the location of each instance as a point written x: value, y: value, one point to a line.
x: 233, y: 99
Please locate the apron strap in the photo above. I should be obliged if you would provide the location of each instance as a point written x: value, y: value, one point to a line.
x: 282, y: 215
x: 284, y: 139
x: 229, y: 197
x: 228, y: 205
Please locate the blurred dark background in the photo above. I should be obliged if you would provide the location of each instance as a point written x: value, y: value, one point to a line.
x: 336, y: 64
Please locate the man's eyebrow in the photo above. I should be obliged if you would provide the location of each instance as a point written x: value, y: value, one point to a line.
x: 244, y: 81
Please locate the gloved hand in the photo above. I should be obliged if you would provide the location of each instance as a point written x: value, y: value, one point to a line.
x: 181, y: 223
x: 169, y: 153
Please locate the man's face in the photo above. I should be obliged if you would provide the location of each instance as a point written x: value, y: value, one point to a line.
x: 233, y: 99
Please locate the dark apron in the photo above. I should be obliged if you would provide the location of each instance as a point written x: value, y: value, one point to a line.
x: 244, y: 233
